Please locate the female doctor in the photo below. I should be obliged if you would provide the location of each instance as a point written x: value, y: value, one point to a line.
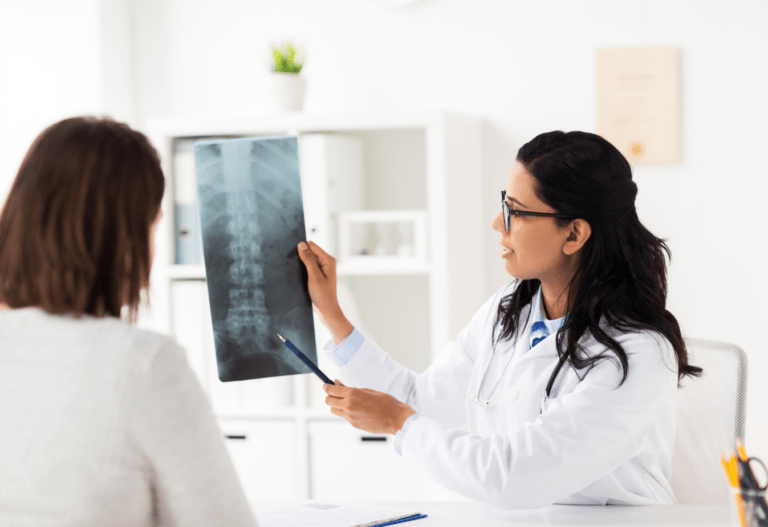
x: 562, y: 387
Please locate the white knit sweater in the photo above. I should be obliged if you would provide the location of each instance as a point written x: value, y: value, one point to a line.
x: 105, y: 424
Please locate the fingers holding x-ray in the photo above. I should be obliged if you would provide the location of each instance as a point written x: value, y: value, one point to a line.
x: 321, y: 277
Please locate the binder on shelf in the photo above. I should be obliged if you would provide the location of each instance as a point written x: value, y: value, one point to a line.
x: 331, y: 181
x: 187, y: 234
x: 189, y: 248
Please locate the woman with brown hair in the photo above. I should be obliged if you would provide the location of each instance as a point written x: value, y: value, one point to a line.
x: 102, y: 423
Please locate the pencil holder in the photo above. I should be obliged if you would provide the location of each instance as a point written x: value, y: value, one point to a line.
x: 755, y: 508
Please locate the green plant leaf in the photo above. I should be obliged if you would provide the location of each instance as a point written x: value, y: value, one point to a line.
x: 278, y: 56
x: 285, y: 59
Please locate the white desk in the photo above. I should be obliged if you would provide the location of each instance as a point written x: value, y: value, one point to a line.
x: 466, y: 514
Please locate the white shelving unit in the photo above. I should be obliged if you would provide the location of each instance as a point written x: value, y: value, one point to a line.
x: 428, y: 162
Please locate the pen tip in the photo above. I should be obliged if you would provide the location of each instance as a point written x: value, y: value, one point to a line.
x: 281, y: 337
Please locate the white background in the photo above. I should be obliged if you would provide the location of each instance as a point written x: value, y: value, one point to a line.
x: 525, y: 66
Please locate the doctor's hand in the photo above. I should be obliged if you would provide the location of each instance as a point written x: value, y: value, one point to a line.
x: 369, y: 410
x: 321, y: 282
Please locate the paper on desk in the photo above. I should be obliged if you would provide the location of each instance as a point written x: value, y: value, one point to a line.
x: 326, y: 515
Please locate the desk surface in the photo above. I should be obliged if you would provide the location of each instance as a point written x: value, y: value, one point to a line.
x: 464, y: 514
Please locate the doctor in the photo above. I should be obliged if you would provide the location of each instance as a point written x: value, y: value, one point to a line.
x: 562, y: 387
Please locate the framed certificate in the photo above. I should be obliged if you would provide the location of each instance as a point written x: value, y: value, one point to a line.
x: 638, y: 102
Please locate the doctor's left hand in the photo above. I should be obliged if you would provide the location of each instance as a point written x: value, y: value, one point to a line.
x: 369, y: 410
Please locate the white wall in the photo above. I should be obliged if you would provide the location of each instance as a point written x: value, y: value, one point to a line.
x: 59, y: 59
x: 525, y: 66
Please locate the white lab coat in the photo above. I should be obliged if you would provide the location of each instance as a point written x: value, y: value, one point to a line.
x: 593, y: 443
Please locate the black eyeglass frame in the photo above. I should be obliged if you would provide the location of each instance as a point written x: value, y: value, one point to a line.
x: 508, y: 212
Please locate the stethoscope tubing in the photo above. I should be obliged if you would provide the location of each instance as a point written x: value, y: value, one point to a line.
x: 487, y: 401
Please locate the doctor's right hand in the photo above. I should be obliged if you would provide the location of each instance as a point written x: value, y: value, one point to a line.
x: 321, y: 272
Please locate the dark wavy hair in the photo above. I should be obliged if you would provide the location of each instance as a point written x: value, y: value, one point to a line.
x: 622, y: 276
x: 74, y: 230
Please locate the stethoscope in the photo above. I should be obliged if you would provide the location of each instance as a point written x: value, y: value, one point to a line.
x: 487, y: 401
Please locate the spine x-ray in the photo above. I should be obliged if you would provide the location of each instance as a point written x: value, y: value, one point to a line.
x: 252, y: 218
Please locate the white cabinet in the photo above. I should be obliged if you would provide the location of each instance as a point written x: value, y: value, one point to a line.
x: 263, y: 454
x: 419, y: 167
x: 347, y: 464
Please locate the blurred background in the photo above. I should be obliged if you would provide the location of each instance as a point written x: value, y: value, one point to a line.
x: 523, y: 66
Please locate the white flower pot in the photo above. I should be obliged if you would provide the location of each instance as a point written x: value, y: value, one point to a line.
x: 287, y: 91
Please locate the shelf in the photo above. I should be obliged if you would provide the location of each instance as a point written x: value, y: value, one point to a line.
x: 381, y: 266
x: 314, y: 413
x: 321, y: 413
x: 186, y: 272
x: 295, y: 122
x: 261, y: 413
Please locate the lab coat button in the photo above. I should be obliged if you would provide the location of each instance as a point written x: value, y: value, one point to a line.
x: 513, y: 394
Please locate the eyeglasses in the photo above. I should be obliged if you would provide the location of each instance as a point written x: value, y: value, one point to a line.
x: 508, y: 213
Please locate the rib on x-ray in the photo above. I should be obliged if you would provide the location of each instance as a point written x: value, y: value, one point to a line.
x: 252, y: 218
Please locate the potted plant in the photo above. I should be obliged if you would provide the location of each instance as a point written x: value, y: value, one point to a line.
x: 288, y: 86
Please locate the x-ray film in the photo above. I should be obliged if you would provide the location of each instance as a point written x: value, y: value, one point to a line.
x: 252, y: 218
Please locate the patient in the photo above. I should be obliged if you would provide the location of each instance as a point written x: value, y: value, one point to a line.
x: 100, y: 423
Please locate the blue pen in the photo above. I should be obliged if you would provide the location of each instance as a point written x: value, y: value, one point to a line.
x: 305, y: 360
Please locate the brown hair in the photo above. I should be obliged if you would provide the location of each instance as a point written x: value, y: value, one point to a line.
x: 74, y: 230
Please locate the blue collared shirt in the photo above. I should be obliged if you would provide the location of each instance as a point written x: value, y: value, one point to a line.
x: 344, y: 352
x: 541, y: 326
